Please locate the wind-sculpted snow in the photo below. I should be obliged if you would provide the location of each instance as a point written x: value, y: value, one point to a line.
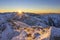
x: 29, y: 26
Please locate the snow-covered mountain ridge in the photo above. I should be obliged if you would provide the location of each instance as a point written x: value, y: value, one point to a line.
x: 29, y: 26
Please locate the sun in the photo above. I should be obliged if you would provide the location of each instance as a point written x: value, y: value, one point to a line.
x: 20, y: 11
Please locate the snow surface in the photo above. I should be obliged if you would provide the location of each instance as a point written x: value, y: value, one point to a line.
x: 29, y: 26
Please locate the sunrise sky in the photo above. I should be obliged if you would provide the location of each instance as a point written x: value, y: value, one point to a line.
x: 38, y: 6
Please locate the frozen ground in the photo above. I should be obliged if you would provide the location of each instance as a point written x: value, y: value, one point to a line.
x: 27, y: 26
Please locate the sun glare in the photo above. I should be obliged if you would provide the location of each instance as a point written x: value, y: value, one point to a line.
x: 20, y: 11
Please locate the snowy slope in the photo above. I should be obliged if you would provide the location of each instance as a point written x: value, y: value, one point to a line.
x: 27, y: 26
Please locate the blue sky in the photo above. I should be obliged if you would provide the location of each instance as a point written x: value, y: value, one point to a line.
x: 29, y: 4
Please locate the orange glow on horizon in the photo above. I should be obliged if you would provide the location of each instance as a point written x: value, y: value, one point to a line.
x: 33, y: 11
